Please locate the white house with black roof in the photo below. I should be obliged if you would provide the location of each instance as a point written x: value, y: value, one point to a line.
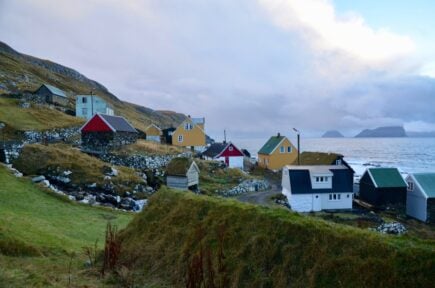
x: 318, y: 187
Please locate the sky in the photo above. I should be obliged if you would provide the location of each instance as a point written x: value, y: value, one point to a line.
x: 251, y: 67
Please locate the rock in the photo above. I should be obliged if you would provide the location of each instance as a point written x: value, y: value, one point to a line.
x: 46, y: 183
x: 107, y: 178
x: 38, y: 179
x: 392, y: 228
x: 67, y: 173
x: 92, y: 186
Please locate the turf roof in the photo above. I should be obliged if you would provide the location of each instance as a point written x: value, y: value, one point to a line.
x: 179, y: 166
x: 318, y: 158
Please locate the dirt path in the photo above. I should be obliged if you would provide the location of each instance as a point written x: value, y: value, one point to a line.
x: 262, y: 197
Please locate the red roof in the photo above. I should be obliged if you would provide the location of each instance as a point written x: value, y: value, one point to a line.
x: 106, y: 123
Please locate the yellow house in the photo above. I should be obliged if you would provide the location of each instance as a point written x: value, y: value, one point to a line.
x: 153, y: 133
x: 190, y: 133
x: 276, y: 153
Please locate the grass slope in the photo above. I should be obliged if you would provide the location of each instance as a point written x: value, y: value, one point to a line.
x: 238, y: 245
x: 19, y: 72
x: 39, y: 232
x: 37, y: 159
x: 34, y: 118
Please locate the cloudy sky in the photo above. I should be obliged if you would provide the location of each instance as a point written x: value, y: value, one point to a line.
x: 253, y: 67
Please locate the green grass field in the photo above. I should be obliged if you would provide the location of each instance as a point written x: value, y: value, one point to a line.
x: 224, y: 243
x: 40, y: 231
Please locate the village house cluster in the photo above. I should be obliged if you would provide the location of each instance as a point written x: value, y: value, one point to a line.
x: 309, y: 183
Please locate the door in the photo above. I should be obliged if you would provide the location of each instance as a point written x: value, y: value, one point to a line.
x: 317, y: 205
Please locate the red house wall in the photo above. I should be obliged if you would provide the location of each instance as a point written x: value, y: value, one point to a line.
x: 96, y: 125
x: 234, y: 153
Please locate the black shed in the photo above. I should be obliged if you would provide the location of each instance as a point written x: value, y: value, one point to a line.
x: 383, y: 186
x: 51, y: 94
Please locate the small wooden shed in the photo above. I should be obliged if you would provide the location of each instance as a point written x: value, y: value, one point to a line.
x: 382, y: 186
x: 420, y: 201
x: 51, y: 94
x: 182, y: 173
x: 153, y: 133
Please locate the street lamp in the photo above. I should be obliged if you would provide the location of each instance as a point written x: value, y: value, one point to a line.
x: 299, y: 144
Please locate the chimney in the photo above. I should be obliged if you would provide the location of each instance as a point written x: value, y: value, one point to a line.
x: 188, y: 116
x: 279, y: 134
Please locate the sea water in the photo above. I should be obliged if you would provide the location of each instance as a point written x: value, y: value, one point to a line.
x: 409, y: 155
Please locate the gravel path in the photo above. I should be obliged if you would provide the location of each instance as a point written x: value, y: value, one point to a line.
x: 260, y: 198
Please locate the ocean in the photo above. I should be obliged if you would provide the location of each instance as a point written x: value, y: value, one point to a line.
x: 409, y: 155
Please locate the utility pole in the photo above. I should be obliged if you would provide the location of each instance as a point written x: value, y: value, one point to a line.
x: 225, y: 136
x: 92, y: 104
x: 299, y: 145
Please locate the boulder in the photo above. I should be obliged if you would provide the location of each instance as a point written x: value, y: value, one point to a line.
x: 38, y: 179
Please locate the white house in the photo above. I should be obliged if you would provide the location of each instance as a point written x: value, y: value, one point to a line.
x: 420, y: 197
x: 89, y: 105
x: 228, y: 153
x: 318, y: 187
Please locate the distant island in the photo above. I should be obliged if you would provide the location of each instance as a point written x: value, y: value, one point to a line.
x: 387, y: 131
x: 332, y: 134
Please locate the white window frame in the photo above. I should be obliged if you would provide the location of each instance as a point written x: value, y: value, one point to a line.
x: 188, y: 126
x: 282, y: 149
x: 289, y: 149
x: 230, y: 148
x: 180, y: 138
x: 334, y: 197
x: 84, y: 100
x: 85, y: 111
x: 410, y: 186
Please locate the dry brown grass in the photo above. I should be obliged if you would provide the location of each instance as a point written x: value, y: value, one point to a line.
x: 150, y: 147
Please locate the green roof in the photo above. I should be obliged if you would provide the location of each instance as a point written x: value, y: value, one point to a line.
x: 271, y: 145
x: 427, y: 182
x: 55, y: 90
x: 387, y: 177
x: 179, y: 166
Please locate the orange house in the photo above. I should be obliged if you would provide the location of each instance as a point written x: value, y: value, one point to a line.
x: 190, y: 133
x: 277, y: 153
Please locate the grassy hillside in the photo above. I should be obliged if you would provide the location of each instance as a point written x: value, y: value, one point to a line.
x: 37, y: 159
x: 34, y: 118
x: 182, y: 237
x: 39, y: 232
x: 19, y: 72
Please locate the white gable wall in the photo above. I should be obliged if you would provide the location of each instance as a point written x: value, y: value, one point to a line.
x: 416, y: 202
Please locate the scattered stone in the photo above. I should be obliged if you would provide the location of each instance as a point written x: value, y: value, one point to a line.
x: 250, y: 185
x: 38, y: 179
x: 395, y: 228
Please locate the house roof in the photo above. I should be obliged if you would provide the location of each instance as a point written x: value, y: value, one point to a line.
x: 300, y: 179
x: 215, y: 149
x: 198, y: 121
x: 179, y: 166
x: 271, y: 144
x: 386, y: 177
x: 54, y: 90
x: 117, y: 123
x: 318, y: 158
x: 426, y: 182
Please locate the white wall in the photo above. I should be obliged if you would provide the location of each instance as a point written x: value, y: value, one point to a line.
x: 416, y: 202
x: 321, y: 185
x: 234, y: 162
x: 153, y: 138
x: 345, y: 201
x: 301, y: 202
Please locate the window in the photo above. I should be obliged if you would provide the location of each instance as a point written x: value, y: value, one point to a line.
x: 321, y: 179
x: 317, y: 179
x: 334, y: 197
x: 84, y: 100
x: 338, y: 162
x: 84, y: 110
x: 289, y: 149
x: 188, y: 126
x: 410, y: 186
x: 180, y: 138
x: 230, y: 148
x: 281, y: 149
